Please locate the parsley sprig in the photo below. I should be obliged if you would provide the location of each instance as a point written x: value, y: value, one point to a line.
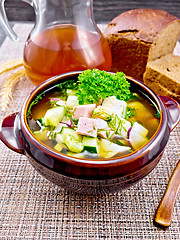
x: 96, y: 84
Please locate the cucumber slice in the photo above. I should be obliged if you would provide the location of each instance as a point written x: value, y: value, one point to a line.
x: 72, y: 140
x: 54, y: 116
x: 90, y: 144
x: 41, y: 135
x: 109, y: 149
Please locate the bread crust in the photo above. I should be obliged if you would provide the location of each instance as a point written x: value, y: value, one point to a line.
x: 131, y: 35
x: 160, y: 90
x: 140, y: 24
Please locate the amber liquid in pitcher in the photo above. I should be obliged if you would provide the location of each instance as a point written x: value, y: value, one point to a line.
x: 65, y: 48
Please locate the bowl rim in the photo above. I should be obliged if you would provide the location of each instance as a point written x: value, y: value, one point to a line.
x: 95, y: 163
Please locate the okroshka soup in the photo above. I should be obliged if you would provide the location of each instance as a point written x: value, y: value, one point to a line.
x: 96, y: 115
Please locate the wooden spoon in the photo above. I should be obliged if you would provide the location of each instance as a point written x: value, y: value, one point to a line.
x: 164, y: 212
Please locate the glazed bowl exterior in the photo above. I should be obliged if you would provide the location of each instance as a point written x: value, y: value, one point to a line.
x: 90, y: 176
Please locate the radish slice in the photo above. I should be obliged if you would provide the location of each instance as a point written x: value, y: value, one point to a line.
x: 136, y: 139
x: 108, y: 149
x: 140, y: 129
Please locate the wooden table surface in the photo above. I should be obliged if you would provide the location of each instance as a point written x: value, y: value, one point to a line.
x: 104, y: 10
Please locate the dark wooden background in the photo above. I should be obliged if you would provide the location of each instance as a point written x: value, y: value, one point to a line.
x: 104, y: 10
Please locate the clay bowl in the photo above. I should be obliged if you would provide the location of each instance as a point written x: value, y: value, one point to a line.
x: 90, y: 176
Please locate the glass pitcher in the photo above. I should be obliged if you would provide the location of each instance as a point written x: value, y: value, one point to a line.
x: 65, y: 38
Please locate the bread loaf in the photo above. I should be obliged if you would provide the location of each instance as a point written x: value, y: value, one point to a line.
x: 160, y: 90
x: 163, y: 75
x: 141, y: 35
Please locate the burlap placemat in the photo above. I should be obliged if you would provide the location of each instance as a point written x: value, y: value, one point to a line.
x: 33, y: 208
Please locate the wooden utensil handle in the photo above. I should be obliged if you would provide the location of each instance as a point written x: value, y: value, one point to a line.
x: 164, y: 212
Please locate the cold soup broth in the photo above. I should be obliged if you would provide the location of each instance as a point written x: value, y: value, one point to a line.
x: 75, y: 122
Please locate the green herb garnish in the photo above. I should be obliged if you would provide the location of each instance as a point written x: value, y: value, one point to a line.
x: 40, y: 122
x: 34, y: 102
x: 70, y: 84
x: 52, y: 135
x: 157, y: 114
x: 53, y: 103
x: 130, y: 112
x: 96, y: 84
x: 117, y: 124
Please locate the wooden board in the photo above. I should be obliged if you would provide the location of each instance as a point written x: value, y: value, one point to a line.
x: 104, y: 10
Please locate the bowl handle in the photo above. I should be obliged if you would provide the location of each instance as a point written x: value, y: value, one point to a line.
x: 9, y: 132
x: 173, y: 111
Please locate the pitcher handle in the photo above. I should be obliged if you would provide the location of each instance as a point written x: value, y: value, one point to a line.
x: 4, y: 21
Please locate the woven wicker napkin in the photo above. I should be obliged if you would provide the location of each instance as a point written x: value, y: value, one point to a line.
x: 33, y: 208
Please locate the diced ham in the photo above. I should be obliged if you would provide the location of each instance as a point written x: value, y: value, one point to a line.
x: 87, y: 126
x: 83, y: 111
